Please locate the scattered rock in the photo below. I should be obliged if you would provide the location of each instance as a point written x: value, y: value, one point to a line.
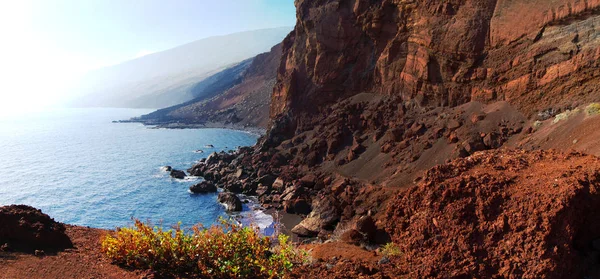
x: 366, y: 226
x: 453, y: 124
x: 230, y: 200
x: 203, y: 188
x: 178, y: 174
x: 323, y: 217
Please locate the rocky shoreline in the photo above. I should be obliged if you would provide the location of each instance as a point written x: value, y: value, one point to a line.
x: 281, y: 187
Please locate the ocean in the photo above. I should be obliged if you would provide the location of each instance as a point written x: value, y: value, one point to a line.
x: 82, y: 169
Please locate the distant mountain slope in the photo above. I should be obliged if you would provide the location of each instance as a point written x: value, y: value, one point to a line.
x: 243, y: 101
x: 171, y: 77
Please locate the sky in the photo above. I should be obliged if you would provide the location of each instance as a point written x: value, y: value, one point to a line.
x: 46, y: 44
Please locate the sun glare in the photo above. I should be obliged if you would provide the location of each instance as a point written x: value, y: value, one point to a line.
x: 36, y: 74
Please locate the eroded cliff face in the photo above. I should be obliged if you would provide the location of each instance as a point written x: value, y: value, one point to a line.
x: 438, y: 53
x: 370, y: 95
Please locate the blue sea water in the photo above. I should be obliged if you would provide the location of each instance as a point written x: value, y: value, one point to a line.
x: 81, y: 169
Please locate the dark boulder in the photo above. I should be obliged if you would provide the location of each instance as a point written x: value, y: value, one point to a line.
x: 234, y: 187
x: 297, y: 206
x: 24, y: 228
x: 213, y: 158
x: 198, y: 169
x: 203, y: 188
x: 267, y: 180
x: 230, y: 200
x: 178, y: 174
x: 366, y: 226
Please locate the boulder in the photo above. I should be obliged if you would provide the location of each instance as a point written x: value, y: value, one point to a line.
x: 197, y: 169
x: 301, y: 230
x: 297, y: 206
x: 308, y: 180
x: 230, y: 200
x: 366, y: 226
x: 203, y: 188
x: 233, y: 186
x: 453, y: 124
x: 24, y: 228
x: 278, y: 183
x: 324, y: 216
x: 267, y: 180
x: 240, y: 174
x: 263, y: 190
x: 178, y: 174
x: 213, y: 158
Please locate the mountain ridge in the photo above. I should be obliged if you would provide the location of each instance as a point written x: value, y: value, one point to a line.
x: 166, y: 78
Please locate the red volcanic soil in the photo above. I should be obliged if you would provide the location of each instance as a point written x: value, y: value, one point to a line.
x: 501, y: 214
x: 496, y: 214
x: 84, y: 260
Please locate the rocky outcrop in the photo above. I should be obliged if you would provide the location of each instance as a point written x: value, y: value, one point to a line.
x: 501, y: 214
x: 178, y: 174
x: 231, y: 201
x: 24, y: 228
x: 372, y: 94
x: 203, y: 187
x: 437, y: 53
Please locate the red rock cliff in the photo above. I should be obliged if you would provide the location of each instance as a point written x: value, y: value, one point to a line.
x: 438, y: 53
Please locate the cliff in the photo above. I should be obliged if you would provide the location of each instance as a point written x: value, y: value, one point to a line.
x: 439, y: 53
x: 372, y: 97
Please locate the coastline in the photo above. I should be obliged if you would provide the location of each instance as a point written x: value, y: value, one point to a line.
x: 211, y: 125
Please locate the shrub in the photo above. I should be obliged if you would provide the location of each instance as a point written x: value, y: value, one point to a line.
x: 226, y: 251
x: 565, y: 115
x: 592, y: 109
x: 390, y: 250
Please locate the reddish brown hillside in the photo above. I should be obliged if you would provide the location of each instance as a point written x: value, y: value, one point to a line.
x: 499, y: 214
x: 380, y: 91
x: 440, y: 53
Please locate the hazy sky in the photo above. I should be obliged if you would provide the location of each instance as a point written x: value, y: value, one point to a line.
x: 45, y: 43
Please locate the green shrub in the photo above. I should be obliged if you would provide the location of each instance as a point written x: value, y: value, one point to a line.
x: 226, y: 251
x: 565, y: 115
x: 592, y: 109
x: 391, y: 250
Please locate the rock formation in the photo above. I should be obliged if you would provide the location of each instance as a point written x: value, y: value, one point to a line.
x: 24, y: 228
x: 439, y: 53
x: 177, y: 174
x: 230, y: 200
x: 203, y: 188
x: 370, y: 94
